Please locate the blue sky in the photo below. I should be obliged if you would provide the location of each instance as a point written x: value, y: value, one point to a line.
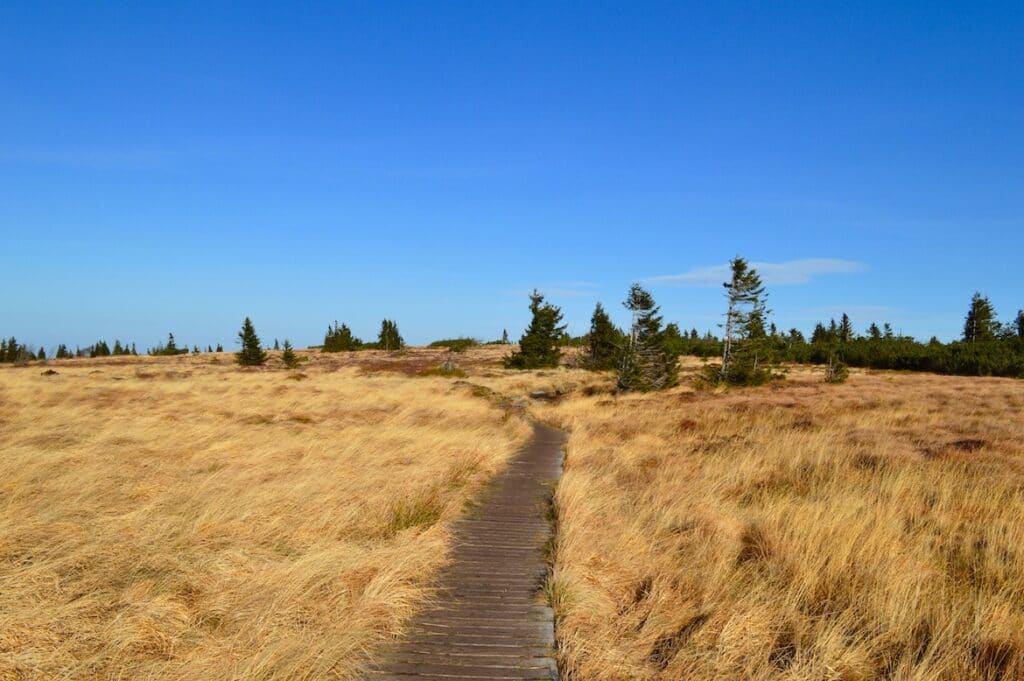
x: 176, y: 167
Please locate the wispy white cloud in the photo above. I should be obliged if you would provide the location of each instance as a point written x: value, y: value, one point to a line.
x: 787, y: 273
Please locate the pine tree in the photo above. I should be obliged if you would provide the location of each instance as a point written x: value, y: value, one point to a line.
x: 646, y: 363
x: 887, y: 331
x: 980, y: 324
x: 171, y: 348
x: 3, y: 350
x: 118, y: 350
x: 845, y: 329
x: 220, y: 348
x: 538, y: 346
x: 133, y: 350
x: 874, y: 332
x: 504, y: 337
x: 389, y: 338
x: 277, y: 346
x: 251, y: 353
x: 288, y: 356
x: 41, y: 354
x: 340, y: 339
x: 62, y: 352
x: 604, y: 342
x: 195, y: 350
x: 1019, y: 322
x: 745, y: 352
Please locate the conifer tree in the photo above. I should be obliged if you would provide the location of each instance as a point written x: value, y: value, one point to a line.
x: 171, y: 348
x: 62, y: 352
x: 251, y: 353
x: 41, y: 354
x: 195, y: 350
x: 504, y: 337
x: 646, y: 363
x: 887, y: 331
x: 340, y: 339
x: 133, y: 349
x: 220, y: 348
x: 118, y: 350
x: 389, y: 338
x: 980, y: 324
x: 1019, y: 322
x: 209, y: 348
x: 874, y: 332
x: 277, y: 346
x: 538, y: 346
x: 288, y: 356
x: 845, y: 329
x: 604, y: 342
x: 745, y: 351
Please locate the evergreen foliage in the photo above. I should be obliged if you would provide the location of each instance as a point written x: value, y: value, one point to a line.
x: 604, y: 342
x: 289, y: 357
x: 538, y: 346
x: 1019, y: 323
x: 251, y: 353
x: 646, y: 363
x: 389, y: 338
x: 62, y: 352
x: 836, y: 371
x: 980, y: 324
x: 220, y: 348
x: 455, y: 344
x: 170, y: 348
x: 506, y: 341
x: 41, y: 354
x: 340, y: 339
x: 747, y: 349
x: 277, y: 346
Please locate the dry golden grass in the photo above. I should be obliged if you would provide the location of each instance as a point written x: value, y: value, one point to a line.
x: 802, y: 531
x: 183, y: 518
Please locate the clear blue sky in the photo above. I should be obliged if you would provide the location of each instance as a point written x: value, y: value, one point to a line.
x: 177, y: 166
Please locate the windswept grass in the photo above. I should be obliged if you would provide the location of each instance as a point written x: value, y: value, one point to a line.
x: 804, y: 531
x: 181, y: 518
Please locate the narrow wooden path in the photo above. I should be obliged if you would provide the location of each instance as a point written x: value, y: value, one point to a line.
x: 490, y: 621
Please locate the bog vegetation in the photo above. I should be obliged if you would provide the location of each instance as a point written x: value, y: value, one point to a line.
x: 174, y: 517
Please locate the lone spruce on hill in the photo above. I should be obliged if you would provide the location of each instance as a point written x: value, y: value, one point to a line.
x: 251, y: 353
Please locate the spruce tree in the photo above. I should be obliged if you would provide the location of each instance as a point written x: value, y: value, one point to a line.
x: 646, y: 364
x: 538, y: 346
x: 288, y: 356
x: 133, y: 350
x: 874, y: 332
x: 41, y: 354
x: 389, y: 338
x: 277, y: 346
x: 887, y: 331
x: 1019, y: 322
x: 980, y: 324
x: 251, y: 353
x: 340, y: 339
x: 220, y: 348
x: 604, y: 342
x: 845, y: 329
x: 745, y: 351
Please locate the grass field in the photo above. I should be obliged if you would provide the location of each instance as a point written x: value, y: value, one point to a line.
x: 183, y: 518
x: 873, y: 530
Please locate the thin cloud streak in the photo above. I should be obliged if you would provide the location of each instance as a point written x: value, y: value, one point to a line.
x: 790, y: 273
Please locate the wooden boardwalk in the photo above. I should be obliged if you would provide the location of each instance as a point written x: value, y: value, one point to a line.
x: 490, y: 621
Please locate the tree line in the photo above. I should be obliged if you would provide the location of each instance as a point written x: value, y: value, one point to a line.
x: 751, y: 348
x: 644, y: 356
